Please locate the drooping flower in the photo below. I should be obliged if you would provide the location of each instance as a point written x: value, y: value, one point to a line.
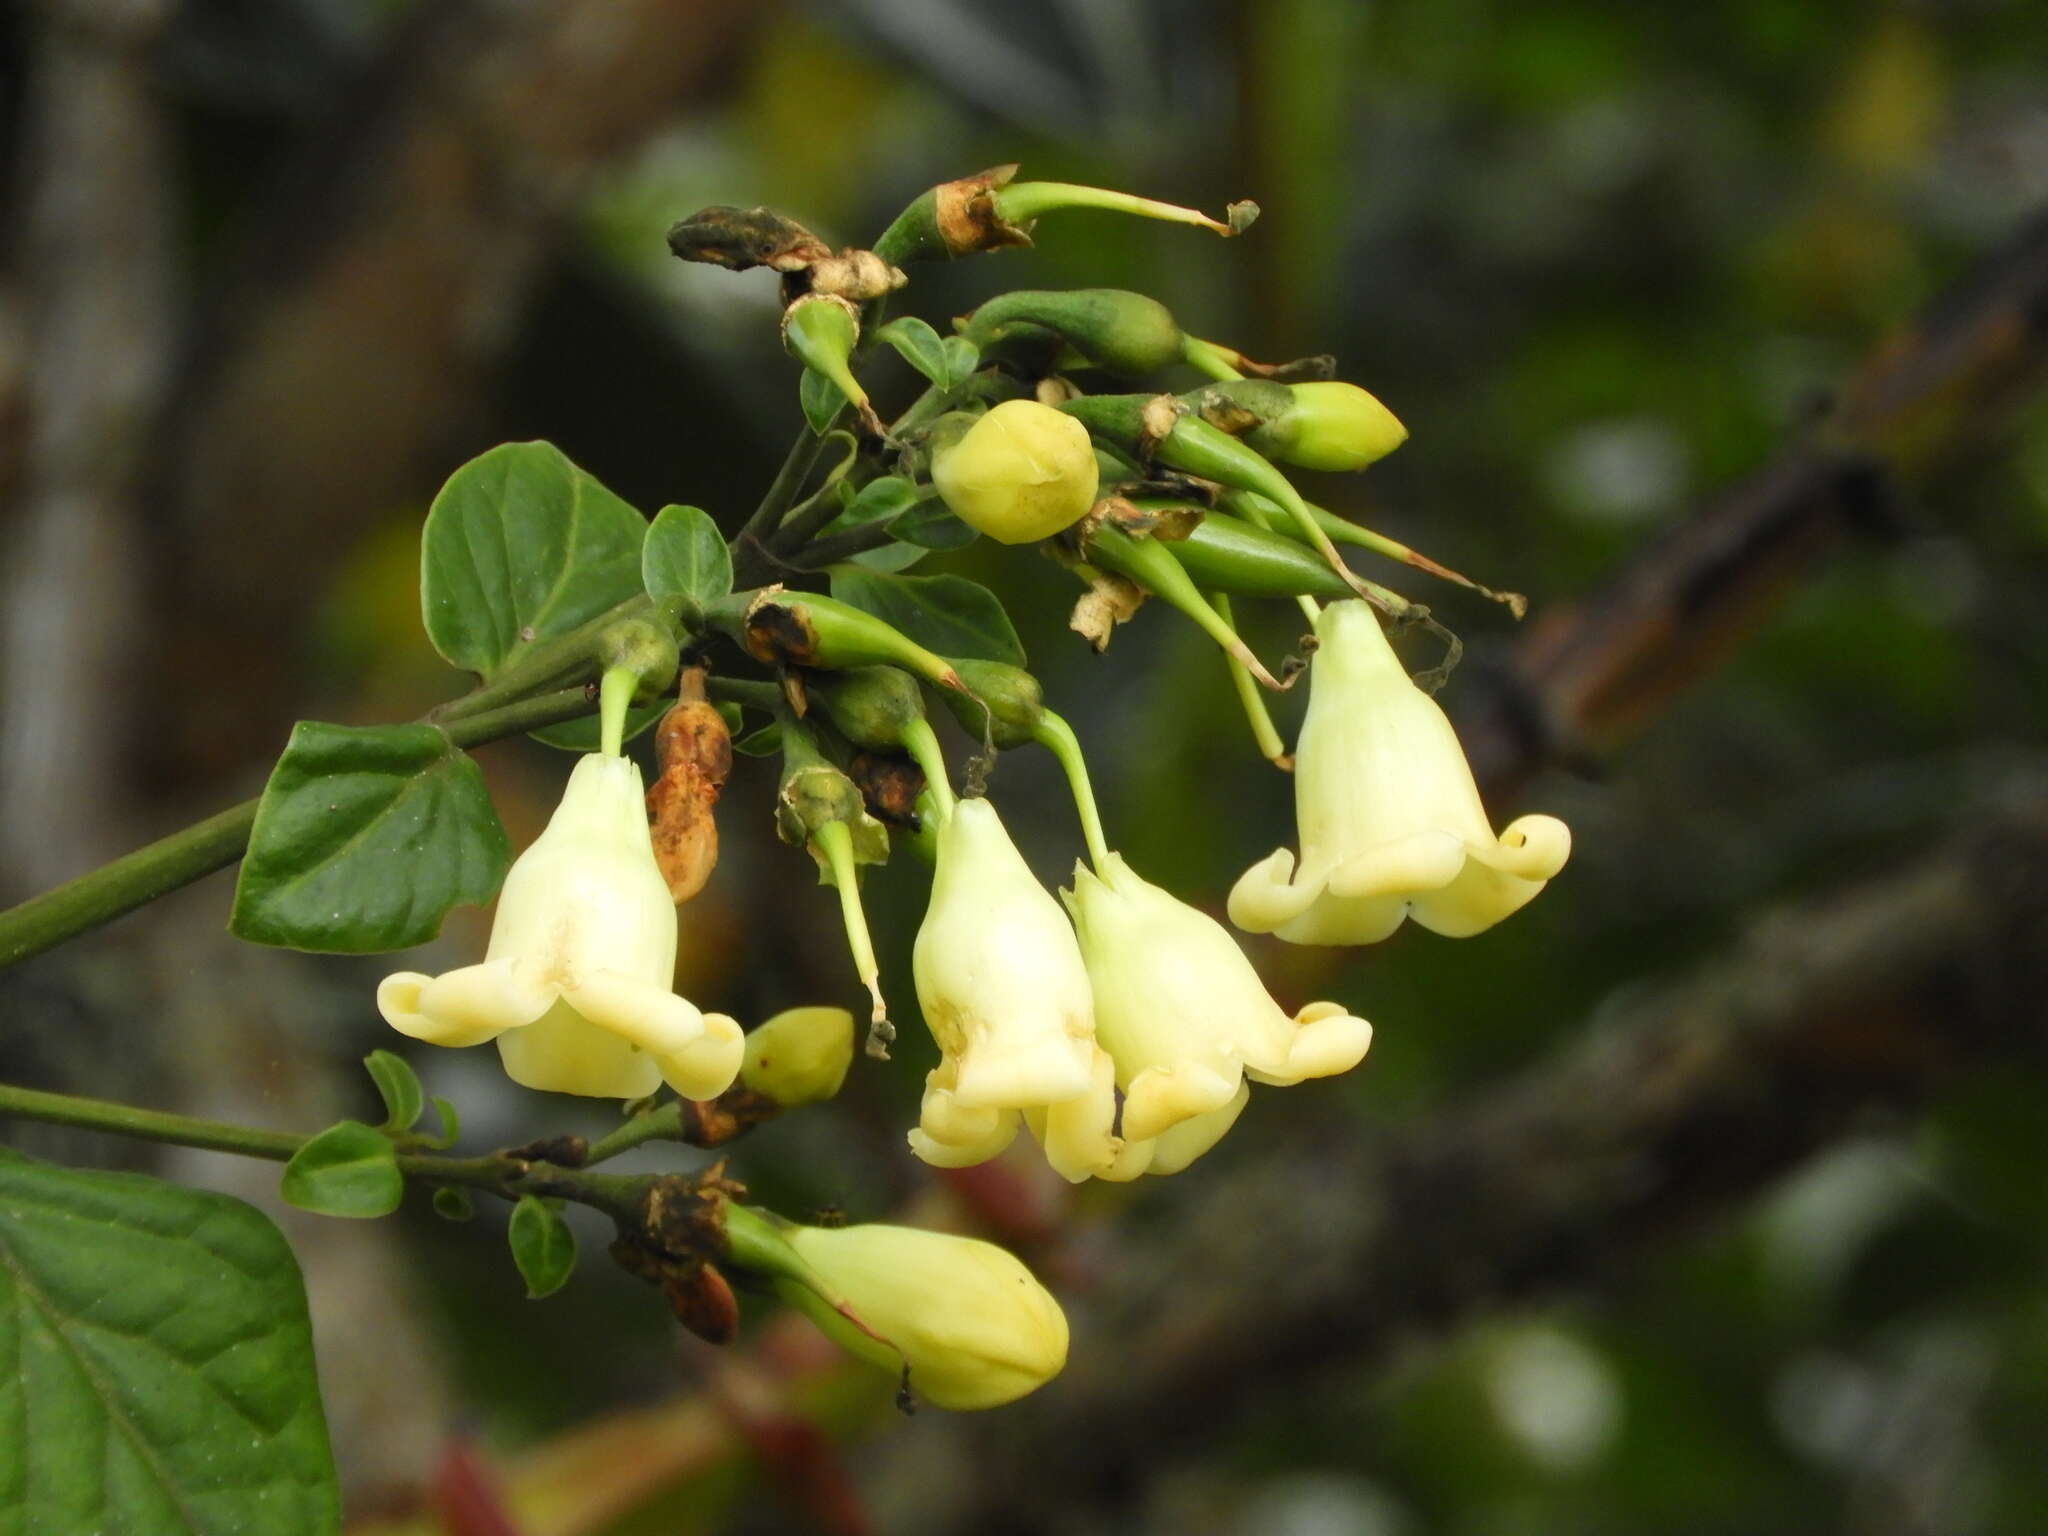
x: 967, y: 1319
x: 1004, y: 993
x: 577, y: 985
x: 1391, y: 822
x: 1186, y: 1018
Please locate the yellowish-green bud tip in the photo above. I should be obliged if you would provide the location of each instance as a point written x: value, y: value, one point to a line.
x: 800, y: 1056
x: 1021, y: 473
x: 1338, y: 426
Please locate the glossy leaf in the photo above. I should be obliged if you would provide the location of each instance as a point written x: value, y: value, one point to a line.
x: 962, y: 358
x: 156, y: 1363
x: 542, y: 1246
x: 349, y: 1169
x: 882, y: 498
x: 685, y: 556
x: 399, y: 1086
x: 931, y: 524
x: 364, y: 838
x: 947, y: 614
x: 519, y: 547
x: 919, y: 345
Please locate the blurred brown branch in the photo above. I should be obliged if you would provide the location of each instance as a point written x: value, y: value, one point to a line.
x: 1660, y: 1115
x: 1590, y: 674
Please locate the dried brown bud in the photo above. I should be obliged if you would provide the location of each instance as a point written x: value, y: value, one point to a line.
x: 693, y: 750
x: 703, y: 1302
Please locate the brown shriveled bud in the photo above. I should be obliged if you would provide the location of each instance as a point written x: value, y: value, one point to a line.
x: 743, y: 238
x: 703, y: 1302
x: 693, y: 749
x: 889, y: 786
x: 966, y: 214
x: 855, y: 275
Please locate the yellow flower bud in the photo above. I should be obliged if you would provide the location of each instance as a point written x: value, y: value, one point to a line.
x: 800, y: 1056
x: 1330, y: 425
x: 1022, y: 472
x: 577, y: 986
x: 1391, y: 822
x: 970, y: 1322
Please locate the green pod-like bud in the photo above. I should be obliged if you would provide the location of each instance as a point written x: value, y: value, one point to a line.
x: 821, y: 330
x: 809, y: 629
x: 1111, y: 328
x: 800, y: 1056
x: 871, y: 706
x: 1224, y: 554
x: 1016, y: 702
x: 646, y: 649
x: 1323, y: 425
x: 1147, y: 562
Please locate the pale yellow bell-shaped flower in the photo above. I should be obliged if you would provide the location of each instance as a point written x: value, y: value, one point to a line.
x: 1004, y: 992
x: 1186, y: 1018
x: 577, y: 985
x: 1391, y: 822
x: 970, y: 1322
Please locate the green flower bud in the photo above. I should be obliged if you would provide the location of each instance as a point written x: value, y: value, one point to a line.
x: 820, y: 331
x: 1146, y: 562
x: 872, y: 705
x: 800, y: 1056
x: 1014, y: 698
x: 808, y: 629
x: 1022, y: 472
x: 1223, y: 554
x: 1111, y: 328
x: 647, y: 650
x: 963, y: 1317
x: 1331, y: 425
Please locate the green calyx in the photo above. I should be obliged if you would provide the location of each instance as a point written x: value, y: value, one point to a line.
x: 872, y: 706
x: 1110, y: 328
x: 1147, y: 562
x: 1015, y: 703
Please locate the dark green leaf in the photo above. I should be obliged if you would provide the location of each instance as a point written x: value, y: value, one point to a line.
x: 885, y: 497
x: 947, y: 614
x: 364, y: 838
x: 962, y: 358
x: 156, y: 1364
x: 920, y: 346
x: 583, y: 734
x: 452, y: 1203
x: 685, y: 556
x: 349, y: 1169
x: 399, y: 1087
x: 521, y: 546
x: 730, y: 713
x: 931, y: 525
x: 821, y: 400
x: 765, y: 742
x: 542, y: 1246
x: 892, y: 557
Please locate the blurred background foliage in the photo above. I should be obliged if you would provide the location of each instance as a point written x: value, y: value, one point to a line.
x: 1602, y: 259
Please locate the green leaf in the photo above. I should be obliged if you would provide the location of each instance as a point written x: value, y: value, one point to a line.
x: 947, y: 614
x: 889, y: 558
x: 349, y: 1169
x: 399, y: 1087
x: 452, y: 1203
x: 920, y: 346
x: 584, y: 733
x: 156, y: 1363
x: 364, y: 838
x: 685, y: 556
x: 765, y: 742
x: 519, y: 547
x: 962, y: 358
x: 451, y: 1124
x: 884, y: 497
x: 931, y: 525
x: 542, y: 1246
x: 821, y: 400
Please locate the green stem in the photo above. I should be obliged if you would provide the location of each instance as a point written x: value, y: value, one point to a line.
x: 751, y: 692
x: 662, y: 1123
x: 565, y: 659
x: 923, y: 747
x: 843, y: 546
x: 1252, y: 697
x: 614, y: 699
x: 137, y: 878
x: 1209, y: 358
x: 749, y: 547
x: 1057, y: 737
x: 835, y: 841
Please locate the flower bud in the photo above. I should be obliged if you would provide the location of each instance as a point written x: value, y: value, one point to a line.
x: 800, y: 1056
x: 577, y: 984
x: 1330, y: 425
x: 1226, y: 554
x: 963, y: 1317
x: 1022, y: 472
x: 1111, y: 328
x: 808, y: 629
x: 820, y: 331
x: 872, y: 705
